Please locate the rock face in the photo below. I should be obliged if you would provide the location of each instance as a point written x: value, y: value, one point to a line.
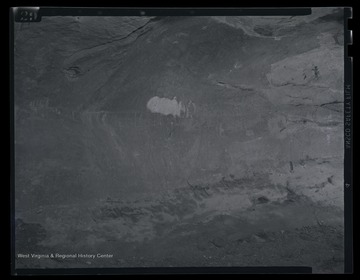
x: 185, y: 118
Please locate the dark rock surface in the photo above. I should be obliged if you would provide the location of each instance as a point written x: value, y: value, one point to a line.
x: 219, y: 136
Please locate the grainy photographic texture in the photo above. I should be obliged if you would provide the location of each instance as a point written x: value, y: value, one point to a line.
x: 180, y: 141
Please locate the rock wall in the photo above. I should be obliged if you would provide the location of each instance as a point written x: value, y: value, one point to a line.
x: 248, y: 101
x: 180, y: 141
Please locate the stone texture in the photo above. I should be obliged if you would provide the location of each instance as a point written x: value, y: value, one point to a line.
x: 248, y: 122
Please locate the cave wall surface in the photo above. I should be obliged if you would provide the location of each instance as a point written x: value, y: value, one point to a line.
x: 127, y: 127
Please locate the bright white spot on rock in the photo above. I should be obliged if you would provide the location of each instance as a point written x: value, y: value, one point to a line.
x: 165, y: 106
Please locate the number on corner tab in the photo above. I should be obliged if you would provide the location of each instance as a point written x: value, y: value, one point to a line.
x: 26, y: 15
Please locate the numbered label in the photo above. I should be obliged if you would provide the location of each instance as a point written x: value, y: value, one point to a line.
x: 27, y: 15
